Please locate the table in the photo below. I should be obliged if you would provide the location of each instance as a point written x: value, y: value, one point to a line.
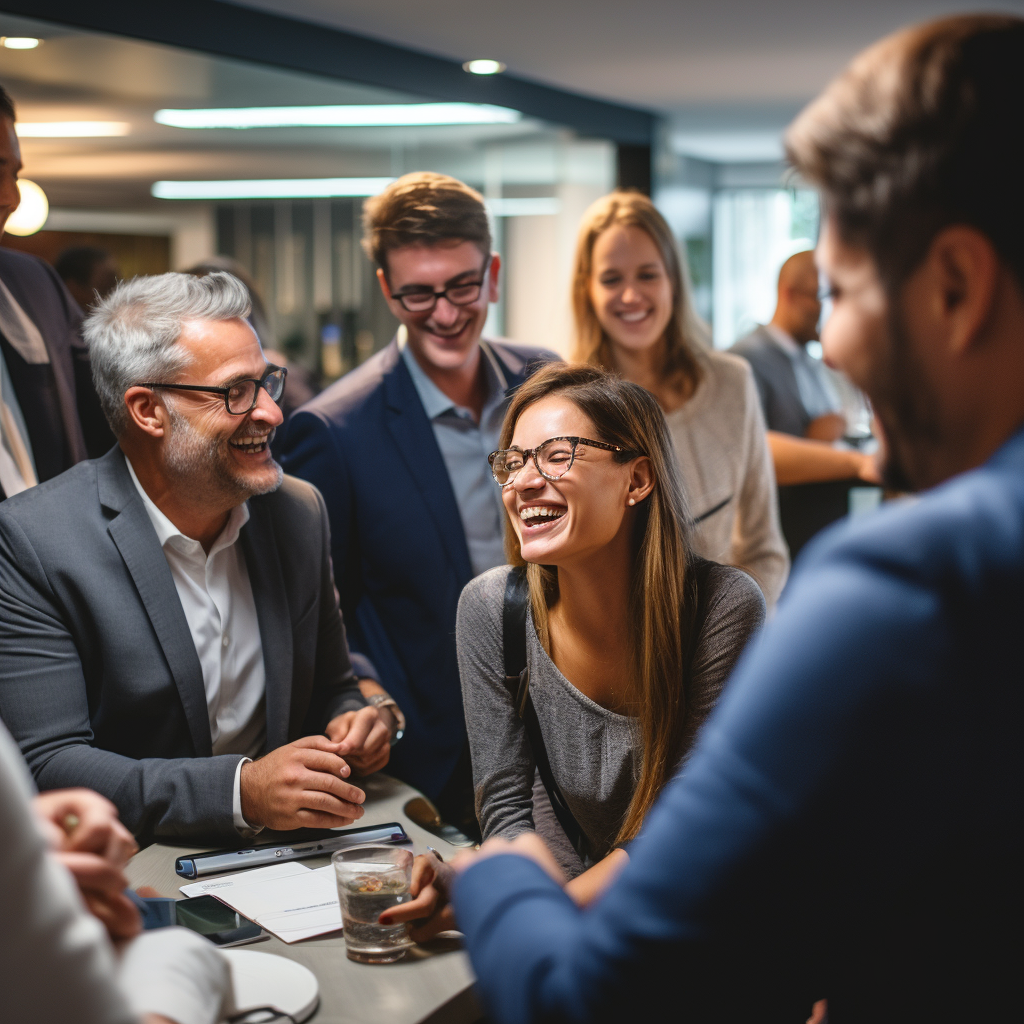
x: 432, y: 983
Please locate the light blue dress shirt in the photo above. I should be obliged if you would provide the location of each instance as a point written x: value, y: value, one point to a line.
x: 465, y: 445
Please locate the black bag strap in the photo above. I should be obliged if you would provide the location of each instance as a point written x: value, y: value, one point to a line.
x: 517, y: 681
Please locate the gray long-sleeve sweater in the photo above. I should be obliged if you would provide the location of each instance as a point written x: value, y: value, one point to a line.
x: 594, y: 753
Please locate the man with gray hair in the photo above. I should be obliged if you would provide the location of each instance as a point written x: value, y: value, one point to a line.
x: 170, y: 634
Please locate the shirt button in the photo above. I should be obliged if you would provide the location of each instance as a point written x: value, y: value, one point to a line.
x: 226, y: 640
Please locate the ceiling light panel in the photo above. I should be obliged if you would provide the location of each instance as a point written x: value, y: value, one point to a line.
x: 270, y: 188
x: 71, y: 129
x: 373, y: 115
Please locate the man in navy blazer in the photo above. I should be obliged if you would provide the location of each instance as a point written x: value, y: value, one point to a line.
x: 850, y: 825
x: 399, y: 447
x: 50, y: 416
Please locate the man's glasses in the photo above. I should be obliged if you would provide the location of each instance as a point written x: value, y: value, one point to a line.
x: 423, y: 300
x: 242, y: 396
x: 553, y: 458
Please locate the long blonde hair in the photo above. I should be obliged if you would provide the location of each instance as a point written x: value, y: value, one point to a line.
x: 686, y: 333
x: 662, y: 593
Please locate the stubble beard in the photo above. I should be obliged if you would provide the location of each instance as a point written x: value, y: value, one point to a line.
x: 200, y: 463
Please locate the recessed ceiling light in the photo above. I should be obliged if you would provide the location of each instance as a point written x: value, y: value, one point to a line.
x: 270, y: 188
x: 71, y: 129
x: 20, y: 42
x: 32, y: 211
x: 375, y: 115
x: 483, y: 67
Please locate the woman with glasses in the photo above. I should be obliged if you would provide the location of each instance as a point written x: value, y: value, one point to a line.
x: 629, y: 634
x: 634, y: 315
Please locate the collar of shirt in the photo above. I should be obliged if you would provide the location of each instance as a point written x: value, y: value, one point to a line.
x: 435, y: 402
x: 785, y: 341
x: 168, y: 533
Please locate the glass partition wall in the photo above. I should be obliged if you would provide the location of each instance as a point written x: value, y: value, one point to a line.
x: 166, y: 157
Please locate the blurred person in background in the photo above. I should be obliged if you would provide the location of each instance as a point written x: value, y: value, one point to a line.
x: 628, y: 643
x: 90, y: 274
x: 850, y: 824
x: 50, y: 416
x: 634, y: 315
x: 398, y: 448
x: 799, y: 394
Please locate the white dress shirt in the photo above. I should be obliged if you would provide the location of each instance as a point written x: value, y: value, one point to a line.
x: 217, y: 600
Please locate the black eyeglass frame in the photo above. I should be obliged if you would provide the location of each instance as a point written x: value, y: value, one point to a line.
x: 531, y: 453
x: 224, y: 392
x: 434, y: 296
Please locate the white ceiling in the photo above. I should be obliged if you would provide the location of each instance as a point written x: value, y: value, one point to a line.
x: 666, y: 54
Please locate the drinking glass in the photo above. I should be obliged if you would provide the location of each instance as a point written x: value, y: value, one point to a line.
x: 372, y: 879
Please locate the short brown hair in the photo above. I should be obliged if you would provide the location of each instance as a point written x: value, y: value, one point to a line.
x: 424, y: 208
x: 685, y: 334
x: 921, y: 132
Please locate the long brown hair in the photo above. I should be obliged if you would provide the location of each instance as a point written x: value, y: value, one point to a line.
x: 662, y: 594
x: 685, y: 335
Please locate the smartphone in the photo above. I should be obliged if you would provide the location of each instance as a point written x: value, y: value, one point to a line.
x: 205, y: 915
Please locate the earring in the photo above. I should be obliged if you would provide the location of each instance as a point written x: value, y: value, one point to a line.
x: 632, y: 501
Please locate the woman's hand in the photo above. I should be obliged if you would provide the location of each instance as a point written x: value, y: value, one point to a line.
x: 431, y: 881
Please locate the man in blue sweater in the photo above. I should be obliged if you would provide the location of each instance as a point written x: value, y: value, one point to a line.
x: 850, y: 824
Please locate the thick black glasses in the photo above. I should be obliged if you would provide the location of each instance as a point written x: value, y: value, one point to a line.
x: 423, y: 300
x: 240, y: 397
x: 553, y: 458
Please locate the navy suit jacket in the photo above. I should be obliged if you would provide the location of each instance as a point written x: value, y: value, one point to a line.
x: 850, y: 824
x: 776, y: 383
x: 62, y: 412
x: 399, y: 549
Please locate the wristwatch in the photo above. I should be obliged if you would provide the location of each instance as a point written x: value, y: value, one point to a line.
x: 382, y: 700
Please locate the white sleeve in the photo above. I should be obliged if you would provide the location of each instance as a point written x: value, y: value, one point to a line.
x: 176, y: 973
x: 244, y: 828
x: 56, y: 963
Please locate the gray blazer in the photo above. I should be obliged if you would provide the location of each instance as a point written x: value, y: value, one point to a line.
x: 100, y: 683
x: 776, y: 382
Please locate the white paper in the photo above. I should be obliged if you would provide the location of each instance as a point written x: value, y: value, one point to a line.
x: 294, y: 906
x: 220, y: 884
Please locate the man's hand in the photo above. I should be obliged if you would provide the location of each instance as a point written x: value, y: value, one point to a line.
x: 431, y: 881
x: 300, y: 785
x: 364, y: 737
x: 528, y: 844
x: 87, y: 838
x: 829, y: 427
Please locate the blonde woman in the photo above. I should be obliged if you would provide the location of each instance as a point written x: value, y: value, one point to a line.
x: 629, y: 636
x: 634, y: 316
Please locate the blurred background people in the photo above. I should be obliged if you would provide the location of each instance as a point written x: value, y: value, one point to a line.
x: 399, y: 448
x: 799, y: 395
x: 634, y: 315
x: 89, y: 273
x: 50, y: 417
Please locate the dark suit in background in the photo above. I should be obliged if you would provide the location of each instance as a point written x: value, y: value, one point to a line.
x: 100, y: 682
x: 62, y: 412
x: 776, y: 383
x: 398, y: 544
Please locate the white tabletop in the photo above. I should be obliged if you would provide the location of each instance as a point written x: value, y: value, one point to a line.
x: 432, y: 983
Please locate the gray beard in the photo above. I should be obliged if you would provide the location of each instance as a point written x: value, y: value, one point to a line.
x: 198, y: 462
